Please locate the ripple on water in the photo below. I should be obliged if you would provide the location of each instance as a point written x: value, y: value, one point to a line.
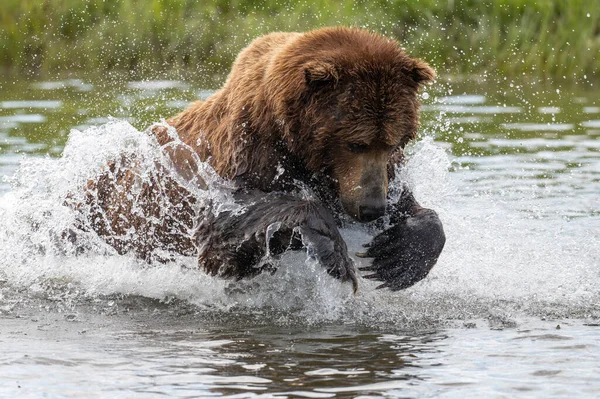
x: 179, y: 104
x: 23, y: 104
x: 22, y: 118
x: 530, y: 144
x: 548, y: 110
x: 76, y: 84
x: 467, y: 99
x: 471, y: 119
x: 539, y: 127
x: 593, y: 124
x: 467, y: 109
x: 155, y: 85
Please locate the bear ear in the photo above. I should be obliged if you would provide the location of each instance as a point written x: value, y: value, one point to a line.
x: 422, y: 73
x: 319, y: 72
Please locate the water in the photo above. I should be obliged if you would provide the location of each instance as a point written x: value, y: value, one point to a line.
x: 511, y: 310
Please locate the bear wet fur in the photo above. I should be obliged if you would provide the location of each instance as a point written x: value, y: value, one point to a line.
x: 330, y: 110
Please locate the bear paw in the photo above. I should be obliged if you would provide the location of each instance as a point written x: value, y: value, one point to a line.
x: 405, y: 253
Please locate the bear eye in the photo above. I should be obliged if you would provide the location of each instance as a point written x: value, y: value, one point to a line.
x: 357, y: 148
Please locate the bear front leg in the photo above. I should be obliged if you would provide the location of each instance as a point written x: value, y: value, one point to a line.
x: 239, y: 245
x: 405, y: 253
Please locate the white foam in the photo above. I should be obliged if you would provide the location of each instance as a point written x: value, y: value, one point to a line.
x: 497, y: 259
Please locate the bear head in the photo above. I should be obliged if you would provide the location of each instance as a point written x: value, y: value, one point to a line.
x: 347, y: 100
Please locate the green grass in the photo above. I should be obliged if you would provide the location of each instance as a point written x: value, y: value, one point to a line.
x: 200, y: 38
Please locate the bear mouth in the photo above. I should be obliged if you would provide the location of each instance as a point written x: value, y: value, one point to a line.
x: 364, y: 213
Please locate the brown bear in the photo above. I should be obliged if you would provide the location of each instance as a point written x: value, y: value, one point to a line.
x: 329, y: 111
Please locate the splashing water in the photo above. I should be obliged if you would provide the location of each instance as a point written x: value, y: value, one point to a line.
x: 499, y: 264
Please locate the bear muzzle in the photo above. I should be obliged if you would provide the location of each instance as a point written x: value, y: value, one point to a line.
x: 363, y: 185
x: 366, y: 207
x: 371, y: 211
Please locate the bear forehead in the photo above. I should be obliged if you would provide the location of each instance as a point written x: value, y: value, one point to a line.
x: 346, y: 53
x: 377, y: 110
x: 378, y: 129
x: 356, y: 51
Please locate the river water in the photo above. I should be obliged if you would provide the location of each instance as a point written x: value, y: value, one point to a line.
x: 512, y: 309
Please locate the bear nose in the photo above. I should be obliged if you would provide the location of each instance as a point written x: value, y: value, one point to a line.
x: 366, y: 213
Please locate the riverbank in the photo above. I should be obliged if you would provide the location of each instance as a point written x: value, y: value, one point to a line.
x: 557, y: 40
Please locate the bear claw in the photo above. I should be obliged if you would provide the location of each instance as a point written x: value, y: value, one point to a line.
x: 405, y: 253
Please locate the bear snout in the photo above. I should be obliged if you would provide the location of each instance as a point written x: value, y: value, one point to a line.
x: 370, y: 211
x: 365, y: 208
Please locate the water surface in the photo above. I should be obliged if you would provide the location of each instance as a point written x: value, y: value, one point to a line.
x: 511, y: 310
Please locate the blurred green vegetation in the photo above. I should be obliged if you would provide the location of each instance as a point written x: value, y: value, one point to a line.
x: 544, y: 39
